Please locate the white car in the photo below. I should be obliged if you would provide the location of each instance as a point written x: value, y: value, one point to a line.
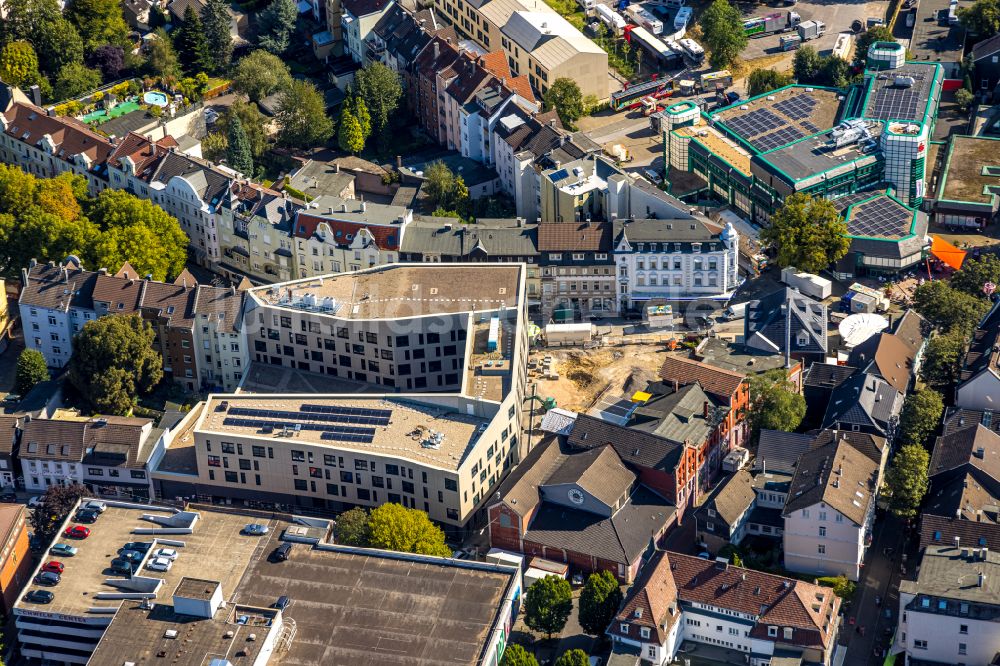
x: 165, y: 553
x: 96, y: 505
x: 159, y: 564
x: 35, y: 501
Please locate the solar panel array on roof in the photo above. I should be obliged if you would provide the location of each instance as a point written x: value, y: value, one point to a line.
x: 777, y: 139
x: 880, y: 218
x: 991, y: 171
x: 755, y: 123
x: 357, y: 415
x: 341, y: 433
x: 559, y: 175
x: 808, y: 126
x: 798, y: 107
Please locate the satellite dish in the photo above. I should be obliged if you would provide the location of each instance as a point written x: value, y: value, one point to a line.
x: 857, y: 328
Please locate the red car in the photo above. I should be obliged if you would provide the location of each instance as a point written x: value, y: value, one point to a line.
x: 53, y: 566
x: 77, y: 532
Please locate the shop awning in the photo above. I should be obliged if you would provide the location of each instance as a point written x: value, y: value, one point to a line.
x: 947, y: 252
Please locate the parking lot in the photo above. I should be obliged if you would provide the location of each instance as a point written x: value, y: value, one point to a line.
x: 836, y: 15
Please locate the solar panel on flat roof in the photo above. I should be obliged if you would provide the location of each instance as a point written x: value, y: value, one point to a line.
x: 798, y: 107
x: 280, y: 424
x: 895, y: 104
x: 360, y: 439
x: 810, y: 127
x: 755, y: 122
x: 776, y: 139
x: 339, y: 415
x: 882, y: 217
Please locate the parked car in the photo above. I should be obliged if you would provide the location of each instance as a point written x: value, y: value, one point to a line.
x: 159, y: 564
x: 168, y: 553
x: 8, y: 496
x: 39, y: 597
x: 96, y: 505
x: 140, y: 546
x: 48, y: 578
x: 54, y: 566
x: 86, y: 516
x: 282, y: 552
x: 120, y: 566
x: 131, y: 555
x: 282, y: 603
x: 77, y: 532
x: 34, y: 501
x: 255, y: 529
x: 63, y: 549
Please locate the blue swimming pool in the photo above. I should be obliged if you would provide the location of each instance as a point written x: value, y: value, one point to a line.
x: 155, y: 97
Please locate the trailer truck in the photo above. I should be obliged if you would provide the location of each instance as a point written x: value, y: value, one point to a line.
x: 811, y: 30
x: 772, y: 23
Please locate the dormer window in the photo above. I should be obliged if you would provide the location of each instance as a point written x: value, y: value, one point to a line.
x: 772, y: 632
x: 696, y: 247
x: 637, y: 612
x: 624, y: 628
x: 644, y: 632
x: 789, y: 632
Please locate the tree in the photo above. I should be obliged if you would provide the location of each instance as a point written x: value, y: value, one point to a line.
x: 238, y: 151
x: 301, y: 117
x: 254, y: 125
x: 275, y: 26
x: 549, y: 603
x: 722, y: 27
x: 920, y: 416
x: 138, y: 231
x: 57, y: 43
x: 75, y: 79
x: 515, y: 655
x: 394, y: 527
x: 99, y: 22
x: 360, y: 112
x: 948, y: 308
x: 191, y: 45
x: 565, y: 97
x: 110, y: 59
x: 114, y: 362
x: 218, y: 38
x: 380, y: 90
x: 964, y: 98
x: 19, y: 65
x: 982, y: 18
x: 350, y: 138
x: 975, y: 273
x: 878, y: 33
x: 599, y: 602
x: 440, y: 183
x: 808, y: 232
x: 775, y: 405
x: 836, y: 71
x: 57, y: 502
x: 941, y: 359
x: 574, y: 657
x: 260, y: 74
x: 161, y: 59
x: 352, y: 528
x: 906, y: 480
x: 763, y: 81
x: 31, y: 369
x: 806, y: 64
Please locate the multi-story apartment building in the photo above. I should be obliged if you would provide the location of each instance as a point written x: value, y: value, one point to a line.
x: 9, y: 439
x: 684, y: 598
x: 678, y: 259
x: 357, y: 20
x: 538, y: 42
x: 198, y: 327
x: 347, y: 235
x: 830, y: 511
x: 255, y: 234
x: 578, y: 270
x: 948, y: 614
x: 443, y: 347
x: 729, y: 389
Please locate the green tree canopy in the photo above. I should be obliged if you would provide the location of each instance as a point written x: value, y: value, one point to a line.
x: 19, y: 65
x: 906, y: 480
x: 964, y: 98
x: 807, y: 64
x: 114, y: 362
x: 380, y: 90
x: 138, y: 231
x: 942, y: 356
x: 57, y: 502
x: 99, y: 22
x: 599, y: 602
x: 191, y: 45
x: 275, y: 26
x: 982, y: 18
x: 574, y: 657
x: 836, y: 72
x: 515, y: 655
x: 808, y: 233
x: 350, y: 137
x: 763, y: 81
x: 218, y: 39
x: 352, y: 528
x: 161, y: 59
x: 975, y: 272
x: 548, y: 605
x: 947, y: 308
x: 395, y: 527
x: 722, y: 27
x: 565, y: 97
x: 238, y: 148
x: 920, y: 417
x: 876, y: 33
x: 31, y: 369
x: 261, y: 74
x: 254, y: 125
x: 56, y: 41
x: 774, y: 403
x: 301, y: 117
x: 75, y: 79
x: 360, y: 112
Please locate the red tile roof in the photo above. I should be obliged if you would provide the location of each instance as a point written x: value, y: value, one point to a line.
x: 385, y: 237
x: 29, y: 124
x: 715, y: 381
x: 578, y: 236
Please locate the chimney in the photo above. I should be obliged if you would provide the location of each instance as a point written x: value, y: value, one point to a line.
x: 399, y: 162
x: 437, y: 50
x: 336, y: 167
x: 705, y: 409
x: 36, y: 95
x: 552, y: 122
x: 676, y: 386
x: 982, y: 579
x: 364, y: 206
x: 958, y: 539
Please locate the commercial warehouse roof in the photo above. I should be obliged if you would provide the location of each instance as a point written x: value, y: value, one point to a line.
x: 781, y: 116
x: 971, y: 170
x: 888, y: 98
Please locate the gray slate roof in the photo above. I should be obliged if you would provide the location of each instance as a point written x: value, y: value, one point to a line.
x: 432, y: 235
x: 863, y: 400
x: 766, y: 322
x: 779, y: 451
x: 635, y: 447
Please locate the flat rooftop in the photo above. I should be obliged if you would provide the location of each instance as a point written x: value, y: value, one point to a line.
x: 400, y: 291
x: 817, y: 155
x: 880, y: 216
x: 367, y: 607
x: 216, y: 539
x: 736, y: 357
x: 782, y: 116
x: 953, y: 573
x: 386, y: 426
x: 720, y: 145
x: 971, y: 170
x: 933, y: 40
x: 888, y: 101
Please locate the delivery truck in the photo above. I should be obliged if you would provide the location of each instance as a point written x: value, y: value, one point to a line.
x: 771, y: 24
x: 811, y: 30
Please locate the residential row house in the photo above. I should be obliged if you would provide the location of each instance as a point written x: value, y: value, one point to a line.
x: 578, y: 271
x: 198, y: 327
x: 979, y: 379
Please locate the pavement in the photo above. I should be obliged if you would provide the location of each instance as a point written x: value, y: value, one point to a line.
x: 836, y: 14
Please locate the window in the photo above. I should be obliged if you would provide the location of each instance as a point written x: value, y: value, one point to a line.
x: 821, y: 549
x: 789, y: 633
x: 963, y: 628
x: 624, y: 627
x: 346, y: 477
x: 301, y: 484
x: 822, y: 515
x: 332, y: 489
x: 838, y: 518
x: 93, y: 471
x: 258, y: 452
x: 297, y: 456
x: 232, y: 477
x: 451, y: 484
x: 452, y: 514
x: 214, y: 461
x: 408, y: 487
x: 644, y: 632
x: 772, y: 632
x: 920, y: 645
x: 822, y: 531
x: 364, y: 494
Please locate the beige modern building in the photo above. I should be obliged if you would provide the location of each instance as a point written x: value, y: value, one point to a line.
x: 538, y: 42
x: 450, y: 339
